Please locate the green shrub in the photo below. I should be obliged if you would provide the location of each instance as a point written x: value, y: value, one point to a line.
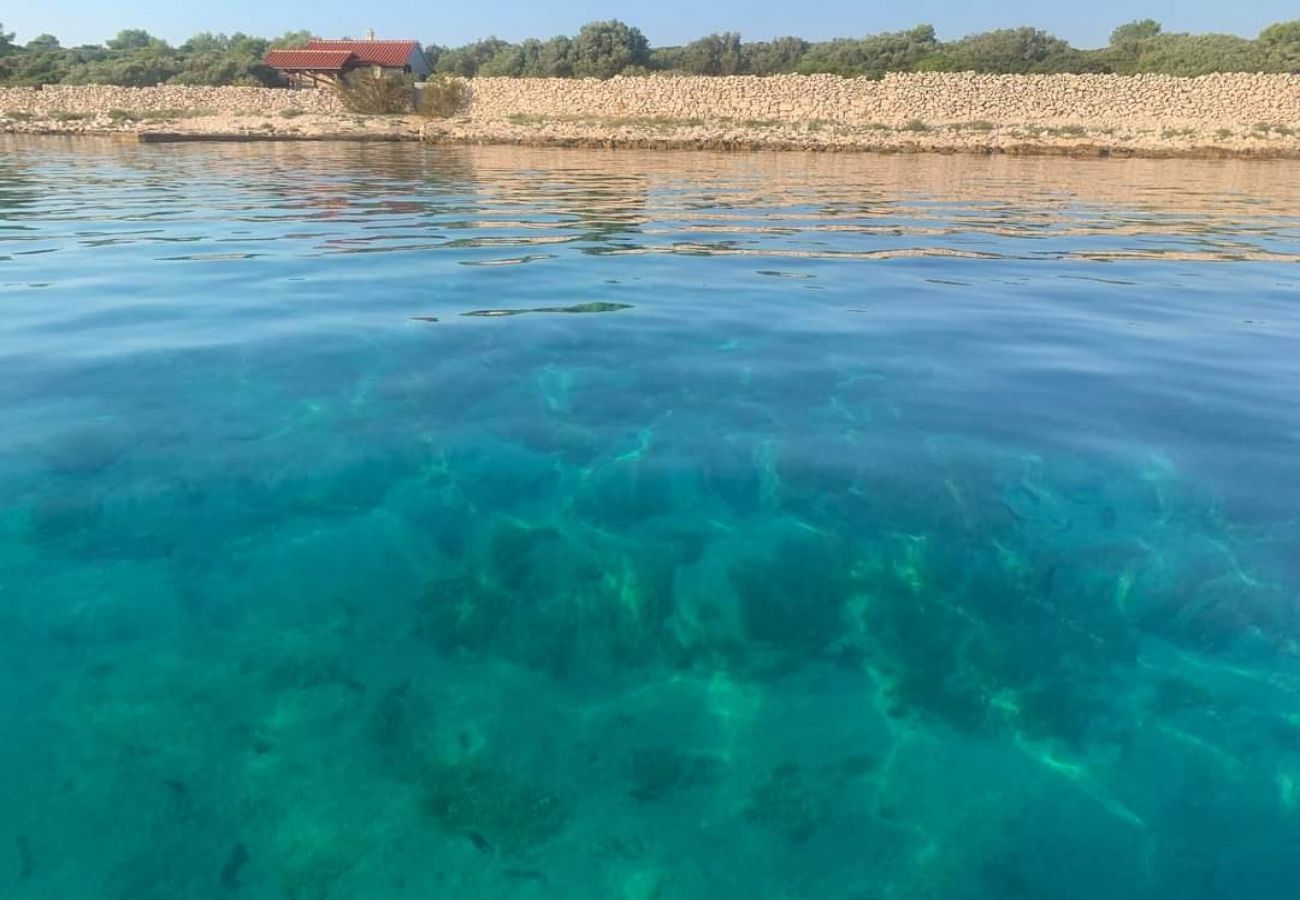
x: 442, y: 97
x: 362, y: 92
x: 916, y: 126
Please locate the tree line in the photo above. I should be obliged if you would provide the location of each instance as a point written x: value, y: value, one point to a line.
x: 606, y: 49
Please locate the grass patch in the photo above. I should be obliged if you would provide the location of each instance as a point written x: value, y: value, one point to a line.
x: 18, y: 116
x: 1274, y: 128
x: 1067, y: 131
x: 72, y: 116
x: 526, y: 119
x: 916, y: 126
x: 976, y: 125
x: 1177, y: 133
x: 658, y: 122
x: 292, y: 112
x: 1223, y: 134
x: 154, y: 115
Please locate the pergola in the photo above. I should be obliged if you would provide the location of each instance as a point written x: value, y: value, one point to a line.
x: 312, y: 68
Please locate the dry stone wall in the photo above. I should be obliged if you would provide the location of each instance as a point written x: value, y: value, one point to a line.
x: 1095, y: 101
x: 93, y: 98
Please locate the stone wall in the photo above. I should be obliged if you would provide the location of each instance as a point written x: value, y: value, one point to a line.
x: 1096, y: 101
x: 60, y: 98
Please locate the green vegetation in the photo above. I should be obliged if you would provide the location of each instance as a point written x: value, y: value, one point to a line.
x: 135, y: 58
x: 603, y: 49
x: 442, y: 97
x: 155, y: 115
x: 606, y: 49
x: 363, y: 93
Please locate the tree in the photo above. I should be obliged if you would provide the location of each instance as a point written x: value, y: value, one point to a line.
x: 604, y: 49
x: 508, y: 62
x: 1129, y: 42
x: 292, y: 40
x: 43, y: 42
x: 1202, y: 54
x: 1281, y: 45
x: 134, y: 39
x: 466, y: 61
x: 206, y: 42
x: 1129, y: 37
x: 715, y: 54
x: 6, y: 41
x: 874, y: 55
x: 555, y: 58
x: 1007, y: 51
x: 775, y: 57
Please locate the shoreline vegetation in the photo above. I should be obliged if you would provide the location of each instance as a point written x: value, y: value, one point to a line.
x: 135, y: 58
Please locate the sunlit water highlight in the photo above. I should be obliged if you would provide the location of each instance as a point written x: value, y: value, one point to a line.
x: 391, y: 522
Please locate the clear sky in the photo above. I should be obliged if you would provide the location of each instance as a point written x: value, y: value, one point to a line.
x: 1085, y: 24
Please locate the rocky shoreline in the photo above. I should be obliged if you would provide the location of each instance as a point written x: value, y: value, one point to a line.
x: 658, y: 134
x: 1215, y: 116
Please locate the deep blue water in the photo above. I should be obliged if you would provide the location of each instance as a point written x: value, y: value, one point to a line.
x: 392, y: 522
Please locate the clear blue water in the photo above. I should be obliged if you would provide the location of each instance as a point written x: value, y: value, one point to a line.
x: 391, y: 522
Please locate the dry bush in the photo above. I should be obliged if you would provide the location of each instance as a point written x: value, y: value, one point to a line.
x: 443, y: 97
x: 364, y: 93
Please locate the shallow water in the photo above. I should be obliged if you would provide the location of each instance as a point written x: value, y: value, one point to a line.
x: 388, y: 522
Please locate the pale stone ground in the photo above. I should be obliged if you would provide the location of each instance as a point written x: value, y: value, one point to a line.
x: 974, y: 137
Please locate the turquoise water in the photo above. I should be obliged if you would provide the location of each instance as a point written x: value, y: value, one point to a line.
x: 391, y: 522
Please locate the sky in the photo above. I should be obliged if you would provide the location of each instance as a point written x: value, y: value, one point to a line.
x: 665, y: 22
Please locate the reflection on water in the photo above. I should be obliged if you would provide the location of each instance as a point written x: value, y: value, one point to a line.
x: 918, y: 526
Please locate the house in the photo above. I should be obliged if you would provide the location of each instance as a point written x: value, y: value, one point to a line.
x: 322, y: 63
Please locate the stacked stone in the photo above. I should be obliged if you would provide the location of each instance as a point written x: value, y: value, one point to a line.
x: 1095, y: 101
x: 96, y: 99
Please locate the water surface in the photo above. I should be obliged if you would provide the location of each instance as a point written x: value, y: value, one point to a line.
x: 394, y: 522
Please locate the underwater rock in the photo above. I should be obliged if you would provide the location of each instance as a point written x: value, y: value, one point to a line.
x: 473, y: 797
x: 26, y: 864
x: 60, y: 517
x: 783, y: 803
x: 656, y: 772
x: 85, y: 454
x: 625, y: 492
x: 235, y: 863
x: 794, y: 599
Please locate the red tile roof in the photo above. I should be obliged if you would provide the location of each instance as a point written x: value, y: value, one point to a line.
x: 388, y: 54
x: 314, y: 60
